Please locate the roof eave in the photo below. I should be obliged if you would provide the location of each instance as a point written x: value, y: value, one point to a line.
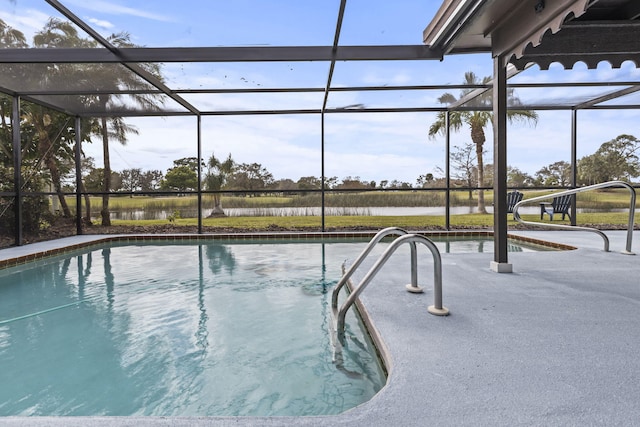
x: 450, y: 21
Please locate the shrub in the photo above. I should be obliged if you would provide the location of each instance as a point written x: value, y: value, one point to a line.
x: 34, y: 207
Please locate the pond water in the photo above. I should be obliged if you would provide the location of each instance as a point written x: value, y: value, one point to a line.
x: 139, y: 214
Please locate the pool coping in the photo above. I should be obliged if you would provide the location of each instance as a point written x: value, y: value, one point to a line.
x: 43, y: 250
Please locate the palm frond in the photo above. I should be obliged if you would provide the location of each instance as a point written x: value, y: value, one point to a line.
x: 447, y: 98
x: 523, y: 116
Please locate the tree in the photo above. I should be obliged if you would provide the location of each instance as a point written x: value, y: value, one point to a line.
x: 112, y: 129
x: 180, y: 178
x: 352, y: 183
x: 87, y: 165
x: 518, y: 178
x: 614, y: 160
x: 131, y: 179
x: 488, y: 174
x: 53, y: 141
x: 150, y: 180
x: 463, y: 160
x: 251, y: 177
x: 49, y: 125
x: 62, y: 34
x: 395, y: 184
x: 309, y: 183
x: 330, y: 182
x: 216, y: 177
x: 477, y: 121
x: 592, y: 169
x: 423, y: 181
x: 9, y: 38
x: 34, y: 208
x: 555, y: 174
x: 93, y: 180
x: 285, y: 184
x: 115, y: 128
x: 190, y: 162
x: 621, y: 154
x: 50, y: 138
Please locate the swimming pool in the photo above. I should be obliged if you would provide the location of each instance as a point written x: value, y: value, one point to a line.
x: 129, y: 305
x: 180, y: 330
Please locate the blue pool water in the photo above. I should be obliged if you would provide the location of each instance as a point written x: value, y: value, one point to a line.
x: 176, y: 330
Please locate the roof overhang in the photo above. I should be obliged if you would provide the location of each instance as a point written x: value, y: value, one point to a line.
x: 528, y: 31
x: 447, y: 31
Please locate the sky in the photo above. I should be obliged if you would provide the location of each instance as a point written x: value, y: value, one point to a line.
x: 370, y: 146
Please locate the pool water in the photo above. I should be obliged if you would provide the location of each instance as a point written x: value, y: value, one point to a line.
x: 181, y: 330
x: 480, y: 244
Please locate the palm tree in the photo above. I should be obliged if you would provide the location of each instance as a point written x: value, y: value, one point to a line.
x: 62, y: 34
x: 215, y: 178
x: 109, y: 76
x: 9, y: 38
x: 115, y: 127
x: 52, y: 149
x: 477, y: 121
x: 58, y: 33
x: 54, y: 134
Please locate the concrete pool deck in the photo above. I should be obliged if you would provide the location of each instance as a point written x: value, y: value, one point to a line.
x: 556, y: 342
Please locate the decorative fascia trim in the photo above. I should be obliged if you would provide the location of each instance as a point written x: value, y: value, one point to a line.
x: 568, y: 61
x: 527, y: 25
x: 589, y: 42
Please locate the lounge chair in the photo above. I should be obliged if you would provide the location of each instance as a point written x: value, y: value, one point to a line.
x: 560, y: 205
x: 513, y: 197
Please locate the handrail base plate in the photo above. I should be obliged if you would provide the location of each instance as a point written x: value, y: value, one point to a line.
x: 414, y: 289
x: 444, y: 311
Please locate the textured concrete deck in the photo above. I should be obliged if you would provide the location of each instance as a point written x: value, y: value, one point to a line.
x: 554, y: 343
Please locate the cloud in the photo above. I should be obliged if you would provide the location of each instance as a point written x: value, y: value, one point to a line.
x: 111, y: 8
x: 28, y: 22
x: 101, y: 23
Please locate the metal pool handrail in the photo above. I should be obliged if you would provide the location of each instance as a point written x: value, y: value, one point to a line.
x: 374, y: 241
x: 632, y: 207
x: 436, y: 309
